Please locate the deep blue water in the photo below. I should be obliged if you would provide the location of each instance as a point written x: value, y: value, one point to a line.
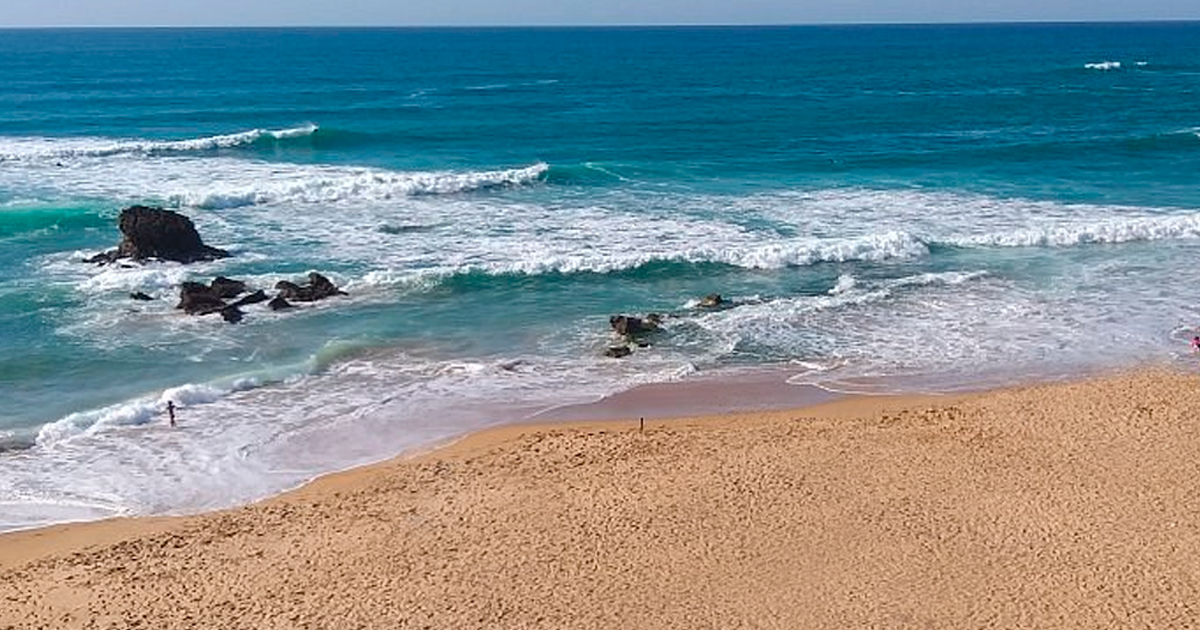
x: 951, y: 204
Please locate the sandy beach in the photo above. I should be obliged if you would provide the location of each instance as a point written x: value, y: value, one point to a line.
x: 1067, y: 505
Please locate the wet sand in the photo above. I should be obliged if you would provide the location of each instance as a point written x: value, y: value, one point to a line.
x: 1069, y: 505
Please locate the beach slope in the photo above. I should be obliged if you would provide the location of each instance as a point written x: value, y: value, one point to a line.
x: 1062, y: 505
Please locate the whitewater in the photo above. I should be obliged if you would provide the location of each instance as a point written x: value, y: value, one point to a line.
x: 952, y: 208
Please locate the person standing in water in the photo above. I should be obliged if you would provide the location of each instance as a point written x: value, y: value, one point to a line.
x: 171, y: 411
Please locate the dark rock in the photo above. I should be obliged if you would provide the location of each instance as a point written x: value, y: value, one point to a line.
x: 318, y: 288
x: 253, y: 298
x: 204, y: 299
x: 627, y: 326
x: 618, y: 352
x: 189, y: 286
x: 198, y: 299
x: 157, y: 233
x: 205, y: 307
x: 226, y: 288
x: 712, y: 300
x: 278, y: 303
x: 405, y: 229
x: 231, y: 314
x: 287, y: 289
x: 138, y: 295
x: 322, y: 287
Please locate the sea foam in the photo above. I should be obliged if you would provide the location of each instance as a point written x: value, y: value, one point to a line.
x: 334, y: 184
x: 41, y: 148
x: 138, y: 411
x: 1108, y: 231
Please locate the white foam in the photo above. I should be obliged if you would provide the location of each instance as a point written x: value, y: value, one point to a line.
x: 1103, y: 65
x: 614, y: 246
x: 947, y: 278
x: 235, y: 445
x: 503, y: 86
x: 1113, y: 230
x: 164, y: 277
x: 334, y: 214
x: 334, y: 184
x: 138, y: 411
x: 845, y: 282
x: 835, y: 326
x: 42, y: 148
x: 223, y: 182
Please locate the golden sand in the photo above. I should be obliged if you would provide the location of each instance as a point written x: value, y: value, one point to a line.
x: 1056, y: 506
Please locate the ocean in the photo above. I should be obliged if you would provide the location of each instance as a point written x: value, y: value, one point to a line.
x: 886, y: 208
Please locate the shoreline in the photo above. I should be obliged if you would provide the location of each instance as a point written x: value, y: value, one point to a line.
x: 707, y: 397
x: 683, y: 403
x: 654, y: 401
x: 886, y: 511
x: 746, y: 389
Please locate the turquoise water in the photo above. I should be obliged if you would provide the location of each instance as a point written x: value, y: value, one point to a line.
x: 951, y: 204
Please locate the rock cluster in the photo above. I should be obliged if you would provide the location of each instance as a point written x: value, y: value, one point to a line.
x: 157, y: 234
x: 632, y: 332
x: 636, y: 332
x: 196, y: 298
x: 318, y: 288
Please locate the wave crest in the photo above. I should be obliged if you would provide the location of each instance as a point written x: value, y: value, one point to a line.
x: 357, y: 184
x: 875, y: 247
x: 1112, y: 231
x: 891, y: 245
x: 139, y: 411
x: 23, y: 149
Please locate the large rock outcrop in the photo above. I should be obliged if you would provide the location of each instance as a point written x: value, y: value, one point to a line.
x: 157, y: 233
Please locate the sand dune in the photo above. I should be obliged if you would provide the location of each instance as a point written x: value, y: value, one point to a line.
x: 1056, y: 506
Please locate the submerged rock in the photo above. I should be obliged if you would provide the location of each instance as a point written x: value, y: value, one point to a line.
x: 227, y: 287
x: 253, y: 298
x: 629, y: 326
x: 196, y: 298
x: 618, y: 352
x: 231, y: 314
x: 199, y: 299
x: 318, y: 288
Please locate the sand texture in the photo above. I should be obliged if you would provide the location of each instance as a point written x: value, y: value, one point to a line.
x: 1057, y: 506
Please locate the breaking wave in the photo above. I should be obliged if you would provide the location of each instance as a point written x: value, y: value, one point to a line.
x: 23, y: 149
x: 1110, y: 231
x: 359, y: 184
x: 136, y: 412
x: 892, y: 245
